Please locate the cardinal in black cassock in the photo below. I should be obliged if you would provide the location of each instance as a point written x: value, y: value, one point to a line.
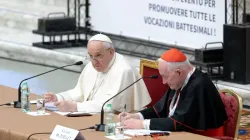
x: 191, y: 104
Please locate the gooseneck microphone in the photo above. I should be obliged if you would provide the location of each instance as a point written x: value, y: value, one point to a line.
x: 101, y: 126
x: 17, y: 104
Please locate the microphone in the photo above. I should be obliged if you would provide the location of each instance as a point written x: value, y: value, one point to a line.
x: 17, y: 104
x: 101, y: 126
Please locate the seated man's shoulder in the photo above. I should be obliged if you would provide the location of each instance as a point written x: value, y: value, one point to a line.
x: 126, y: 68
x: 124, y: 65
x: 204, y: 83
x: 202, y: 78
x: 201, y: 82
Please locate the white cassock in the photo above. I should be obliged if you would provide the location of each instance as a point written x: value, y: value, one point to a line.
x: 94, y: 88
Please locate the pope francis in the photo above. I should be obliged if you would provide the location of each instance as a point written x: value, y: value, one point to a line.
x: 103, y: 77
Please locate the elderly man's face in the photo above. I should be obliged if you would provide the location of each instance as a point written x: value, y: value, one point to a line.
x: 171, y: 78
x: 99, y: 55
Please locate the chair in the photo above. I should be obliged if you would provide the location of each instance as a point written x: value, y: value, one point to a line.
x: 233, y: 106
x: 155, y: 87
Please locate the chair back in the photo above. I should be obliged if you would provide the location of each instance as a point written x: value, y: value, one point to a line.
x: 155, y: 87
x: 233, y: 106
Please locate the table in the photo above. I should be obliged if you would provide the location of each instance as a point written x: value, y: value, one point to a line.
x: 16, y: 125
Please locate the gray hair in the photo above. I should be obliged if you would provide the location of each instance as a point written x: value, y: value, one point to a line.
x: 176, y: 65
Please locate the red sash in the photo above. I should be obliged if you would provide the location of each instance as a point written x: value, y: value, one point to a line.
x: 212, y: 132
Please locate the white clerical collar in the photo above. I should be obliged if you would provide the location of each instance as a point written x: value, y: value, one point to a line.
x: 173, y: 106
x: 187, y: 78
x: 110, y: 64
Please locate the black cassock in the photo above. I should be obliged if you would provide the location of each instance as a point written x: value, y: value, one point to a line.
x: 199, y: 107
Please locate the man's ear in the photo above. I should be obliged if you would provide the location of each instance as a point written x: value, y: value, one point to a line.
x: 112, y: 50
x: 178, y: 71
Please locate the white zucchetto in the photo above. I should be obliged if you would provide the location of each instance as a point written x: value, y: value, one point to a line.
x: 100, y: 37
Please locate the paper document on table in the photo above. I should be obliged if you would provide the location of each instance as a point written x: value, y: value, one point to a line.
x: 141, y: 132
x: 120, y: 138
x: 74, y: 114
x: 51, y: 106
x: 36, y: 114
x: 62, y: 113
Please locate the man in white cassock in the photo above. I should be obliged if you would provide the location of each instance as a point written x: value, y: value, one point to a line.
x: 103, y: 77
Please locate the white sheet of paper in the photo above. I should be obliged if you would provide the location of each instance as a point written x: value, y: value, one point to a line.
x: 63, y: 133
x: 62, y: 113
x: 65, y: 113
x: 35, y: 114
x: 33, y: 101
x: 140, y: 132
x: 81, y: 113
x: 115, y: 138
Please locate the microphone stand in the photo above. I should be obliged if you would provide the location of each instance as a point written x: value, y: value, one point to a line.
x: 101, y: 126
x: 17, y: 104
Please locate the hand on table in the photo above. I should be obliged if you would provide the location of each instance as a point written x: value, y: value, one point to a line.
x: 132, y: 124
x: 66, y: 106
x: 125, y: 116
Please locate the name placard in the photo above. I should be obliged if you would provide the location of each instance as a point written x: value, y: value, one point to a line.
x: 63, y: 133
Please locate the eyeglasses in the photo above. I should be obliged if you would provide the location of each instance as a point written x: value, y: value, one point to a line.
x: 99, y: 57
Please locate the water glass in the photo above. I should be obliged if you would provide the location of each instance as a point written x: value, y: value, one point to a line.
x: 40, y: 106
x: 119, y: 132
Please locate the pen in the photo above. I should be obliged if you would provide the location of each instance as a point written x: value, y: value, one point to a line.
x: 157, y: 133
x: 124, y: 110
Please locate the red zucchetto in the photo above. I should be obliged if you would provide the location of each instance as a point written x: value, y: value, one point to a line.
x: 173, y: 55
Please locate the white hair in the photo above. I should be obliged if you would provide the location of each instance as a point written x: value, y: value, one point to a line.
x: 107, y: 45
x: 176, y: 65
